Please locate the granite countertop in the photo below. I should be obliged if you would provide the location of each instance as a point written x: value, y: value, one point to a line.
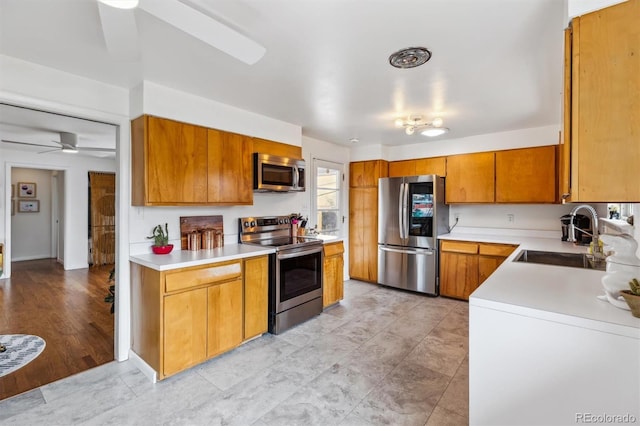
x: 554, y: 293
x: 185, y: 258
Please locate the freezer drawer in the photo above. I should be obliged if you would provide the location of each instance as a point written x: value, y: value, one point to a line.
x: 408, y: 268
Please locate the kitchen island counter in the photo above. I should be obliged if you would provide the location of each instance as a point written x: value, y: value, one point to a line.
x: 186, y: 258
x: 543, y: 349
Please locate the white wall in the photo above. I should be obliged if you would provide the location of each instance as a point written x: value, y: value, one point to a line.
x: 31, y: 232
x: 580, y: 7
x: 75, y: 201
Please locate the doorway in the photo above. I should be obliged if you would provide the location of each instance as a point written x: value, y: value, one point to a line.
x: 51, y: 291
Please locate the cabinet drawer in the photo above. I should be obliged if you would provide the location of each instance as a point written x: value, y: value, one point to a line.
x: 195, y: 277
x: 496, y: 249
x: 333, y: 249
x: 463, y: 247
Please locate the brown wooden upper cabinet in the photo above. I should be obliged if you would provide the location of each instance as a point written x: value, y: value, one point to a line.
x: 470, y: 178
x: 169, y: 162
x: 264, y: 146
x: 175, y: 163
x: 420, y: 166
x: 527, y: 175
x: 601, y: 151
x: 363, y: 174
x: 231, y: 168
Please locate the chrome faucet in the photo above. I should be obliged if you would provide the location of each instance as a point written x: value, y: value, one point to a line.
x: 597, y: 252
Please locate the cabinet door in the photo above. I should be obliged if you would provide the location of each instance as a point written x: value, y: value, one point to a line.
x: 526, y: 175
x: 432, y: 166
x: 471, y: 178
x: 564, y: 180
x: 176, y: 162
x: 458, y: 274
x: 256, y: 296
x: 264, y: 146
x: 333, y: 283
x: 230, y: 179
x: 402, y: 168
x: 363, y: 234
x: 185, y: 330
x: 364, y: 174
x: 605, y: 111
x: 224, y: 328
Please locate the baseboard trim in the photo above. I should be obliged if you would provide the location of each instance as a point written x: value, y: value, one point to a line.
x: 143, y: 366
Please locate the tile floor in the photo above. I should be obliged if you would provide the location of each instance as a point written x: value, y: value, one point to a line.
x: 380, y: 357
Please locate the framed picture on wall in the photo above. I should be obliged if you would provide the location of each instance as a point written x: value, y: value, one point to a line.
x: 26, y: 190
x: 28, y: 206
x: 13, y: 191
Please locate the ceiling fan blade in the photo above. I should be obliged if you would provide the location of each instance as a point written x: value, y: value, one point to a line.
x: 49, y: 150
x: 205, y: 28
x: 79, y: 148
x: 28, y: 143
x: 120, y: 32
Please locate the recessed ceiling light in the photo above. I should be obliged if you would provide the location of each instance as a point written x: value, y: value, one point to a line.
x: 410, y: 57
x: 354, y: 140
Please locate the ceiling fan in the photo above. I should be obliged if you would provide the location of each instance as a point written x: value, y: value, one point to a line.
x: 68, y: 143
x: 121, y: 33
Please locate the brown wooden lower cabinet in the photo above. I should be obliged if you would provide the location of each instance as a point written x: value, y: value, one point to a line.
x: 363, y: 234
x: 185, y: 316
x: 333, y: 281
x: 464, y: 265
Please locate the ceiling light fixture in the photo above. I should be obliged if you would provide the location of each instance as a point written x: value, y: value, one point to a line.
x: 410, y: 57
x: 429, y: 128
x: 121, y: 4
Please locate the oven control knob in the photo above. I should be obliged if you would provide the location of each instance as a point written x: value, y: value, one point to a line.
x: 286, y: 221
x: 246, y: 224
x: 280, y: 221
x: 253, y: 223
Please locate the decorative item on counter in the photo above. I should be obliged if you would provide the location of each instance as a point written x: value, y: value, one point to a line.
x: 201, y: 224
x: 193, y: 240
x: 208, y: 239
x: 161, y: 240
x: 622, y: 267
x: 632, y: 297
x: 219, y: 239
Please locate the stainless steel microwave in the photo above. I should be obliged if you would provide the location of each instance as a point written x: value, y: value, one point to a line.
x: 277, y: 174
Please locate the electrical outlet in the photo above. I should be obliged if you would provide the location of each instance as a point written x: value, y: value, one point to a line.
x: 511, y: 217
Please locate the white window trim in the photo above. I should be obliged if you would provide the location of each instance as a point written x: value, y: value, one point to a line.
x: 313, y: 217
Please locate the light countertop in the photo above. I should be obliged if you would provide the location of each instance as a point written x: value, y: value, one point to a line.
x: 553, y: 293
x: 185, y: 258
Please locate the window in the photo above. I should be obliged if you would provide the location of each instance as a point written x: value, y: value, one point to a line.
x: 327, y: 197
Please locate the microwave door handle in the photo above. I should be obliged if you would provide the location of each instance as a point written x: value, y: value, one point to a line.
x: 296, y: 176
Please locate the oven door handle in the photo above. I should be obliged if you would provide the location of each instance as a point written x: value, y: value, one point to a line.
x: 299, y: 253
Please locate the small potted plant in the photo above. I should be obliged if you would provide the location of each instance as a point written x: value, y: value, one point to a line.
x: 632, y: 297
x: 161, y: 240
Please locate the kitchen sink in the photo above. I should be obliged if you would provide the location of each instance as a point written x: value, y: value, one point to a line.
x: 574, y: 260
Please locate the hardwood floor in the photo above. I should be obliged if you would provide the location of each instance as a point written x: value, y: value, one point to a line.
x: 66, y: 309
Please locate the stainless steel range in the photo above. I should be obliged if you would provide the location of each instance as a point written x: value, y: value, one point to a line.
x: 295, y: 270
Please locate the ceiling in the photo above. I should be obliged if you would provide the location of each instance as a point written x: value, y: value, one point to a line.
x: 496, y: 64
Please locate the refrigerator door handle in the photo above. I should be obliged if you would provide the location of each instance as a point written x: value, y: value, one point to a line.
x: 400, y: 210
x: 425, y: 252
x: 405, y: 210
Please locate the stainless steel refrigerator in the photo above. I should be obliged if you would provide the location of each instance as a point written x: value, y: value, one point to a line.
x: 411, y: 215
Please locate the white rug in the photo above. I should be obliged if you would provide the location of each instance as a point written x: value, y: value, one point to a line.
x: 21, y: 350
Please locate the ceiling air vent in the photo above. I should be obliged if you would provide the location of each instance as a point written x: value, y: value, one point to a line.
x: 410, y: 57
